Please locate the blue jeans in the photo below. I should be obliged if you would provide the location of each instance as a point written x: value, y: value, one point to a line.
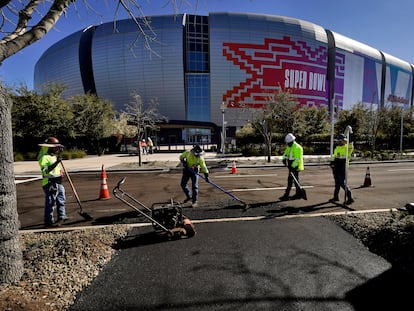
x: 54, y: 196
x: 340, y: 183
x: 187, y: 175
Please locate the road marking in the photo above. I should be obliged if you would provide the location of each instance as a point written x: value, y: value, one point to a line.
x: 401, y: 169
x: 29, y: 178
x: 112, y: 210
x: 212, y: 220
x: 241, y: 176
x: 264, y: 189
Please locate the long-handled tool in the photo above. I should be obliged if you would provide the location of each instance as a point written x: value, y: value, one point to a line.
x: 302, y: 190
x: 81, y: 212
x: 246, y: 206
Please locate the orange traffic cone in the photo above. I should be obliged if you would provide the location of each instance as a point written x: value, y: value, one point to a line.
x: 367, y: 180
x: 233, y: 167
x: 104, y: 192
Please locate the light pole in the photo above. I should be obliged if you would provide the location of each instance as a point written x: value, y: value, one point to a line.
x: 223, y: 107
x: 402, y: 129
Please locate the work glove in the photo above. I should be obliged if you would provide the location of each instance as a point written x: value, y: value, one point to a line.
x: 184, y: 162
x: 206, y: 177
x: 292, y: 169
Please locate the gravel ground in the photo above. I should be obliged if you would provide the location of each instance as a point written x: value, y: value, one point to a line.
x: 59, y: 265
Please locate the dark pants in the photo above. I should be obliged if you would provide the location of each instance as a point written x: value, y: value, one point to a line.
x: 290, y: 182
x: 187, y: 175
x: 340, y: 182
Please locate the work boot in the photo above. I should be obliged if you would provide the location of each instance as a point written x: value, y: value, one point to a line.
x: 349, y: 201
x: 296, y: 196
x: 284, y: 197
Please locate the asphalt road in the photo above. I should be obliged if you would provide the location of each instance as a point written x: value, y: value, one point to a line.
x: 260, y: 187
x: 278, y: 264
x: 271, y: 257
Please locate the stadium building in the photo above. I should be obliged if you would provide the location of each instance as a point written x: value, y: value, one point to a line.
x: 207, y: 71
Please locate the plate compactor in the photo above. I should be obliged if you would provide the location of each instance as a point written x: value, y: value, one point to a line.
x: 166, y: 218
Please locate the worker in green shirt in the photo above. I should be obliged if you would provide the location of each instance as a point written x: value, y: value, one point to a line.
x: 193, y: 162
x: 293, y: 159
x: 339, y: 165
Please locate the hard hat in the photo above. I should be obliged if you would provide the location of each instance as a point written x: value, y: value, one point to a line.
x: 51, y: 142
x: 197, y: 150
x: 289, y: 138
x: 341, y: 138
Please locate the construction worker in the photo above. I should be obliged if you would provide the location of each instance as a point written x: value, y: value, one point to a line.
x: 293, y: 159
x: 144, y: 147
x: 52, y: 174
x: 193, y: 163
x: 339, y: 165
x: 150, y: 146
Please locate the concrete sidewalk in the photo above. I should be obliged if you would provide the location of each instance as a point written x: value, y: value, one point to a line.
x: 94, y: 163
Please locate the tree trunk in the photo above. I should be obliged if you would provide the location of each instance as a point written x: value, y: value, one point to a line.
x: 11, y: 260
x: 269, y: 148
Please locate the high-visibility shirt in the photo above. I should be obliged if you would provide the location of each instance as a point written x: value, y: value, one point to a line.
x: 294, y: 155
x: 193, y: 161
x: 339, y: 153
x: 45, y: 160
x: 340, y: 159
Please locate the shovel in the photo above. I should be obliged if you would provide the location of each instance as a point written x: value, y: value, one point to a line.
x: 302, y: 190
x: 246, y: 206
x: 81, y: 212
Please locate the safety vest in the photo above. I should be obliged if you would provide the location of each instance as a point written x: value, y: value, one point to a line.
x: 339, y: 153
x: 341, y: 161
x: 294, y: 154
x: 194, y: 161
x: 45, y: 160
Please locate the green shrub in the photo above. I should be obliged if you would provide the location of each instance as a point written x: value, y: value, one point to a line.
x: 66, y: 155
x: 18, y: 157
x: 31, y: 156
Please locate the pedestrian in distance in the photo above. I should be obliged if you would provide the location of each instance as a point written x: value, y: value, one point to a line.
x: 143, y: 146
x: 193, y: 162
x: 150, y: 145
x: 293, y: 159
x: 52, y: 172
x: 339, y: 164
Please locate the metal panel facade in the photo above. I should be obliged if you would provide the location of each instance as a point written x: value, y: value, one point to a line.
x: 60, y: 64
x: 122, y: 67
x: 358, y: 73
x: 252, y: 56
x: 398, y: 82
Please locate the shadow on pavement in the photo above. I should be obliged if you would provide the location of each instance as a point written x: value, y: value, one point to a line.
x: 390, y: 290
x: 109, y: 220
x: 141, y: 240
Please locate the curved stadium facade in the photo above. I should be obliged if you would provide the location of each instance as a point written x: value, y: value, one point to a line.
x: 199, y: 65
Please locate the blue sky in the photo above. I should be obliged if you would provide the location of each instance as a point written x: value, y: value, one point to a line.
x: 383, y: 24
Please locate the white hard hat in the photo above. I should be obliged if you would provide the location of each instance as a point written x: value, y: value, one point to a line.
x: 289, y: 138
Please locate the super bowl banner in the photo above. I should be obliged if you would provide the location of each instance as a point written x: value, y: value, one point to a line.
x: 277, y: 64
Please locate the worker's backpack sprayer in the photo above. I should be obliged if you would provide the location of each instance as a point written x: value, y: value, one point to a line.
x: 166, y: 218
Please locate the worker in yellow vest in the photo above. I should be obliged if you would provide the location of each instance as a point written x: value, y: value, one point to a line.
x: 52, y: 173
x: 339, y: 165
x: 193, y: 162
x: 293, y: 159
